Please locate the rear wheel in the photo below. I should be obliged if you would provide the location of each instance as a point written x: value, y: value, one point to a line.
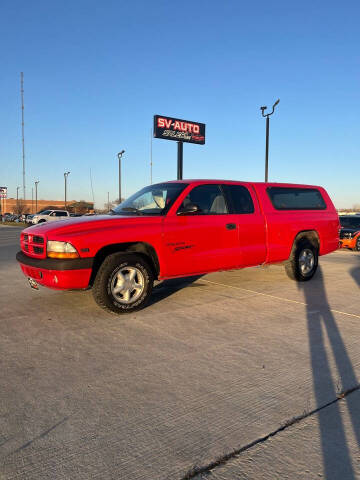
x: 123, y: 283
x: 303, y: 262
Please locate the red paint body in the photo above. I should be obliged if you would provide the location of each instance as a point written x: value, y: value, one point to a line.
x: 186, y: 244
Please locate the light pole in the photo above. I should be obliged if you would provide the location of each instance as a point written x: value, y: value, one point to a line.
x: 65, y: 180
x: 267, y: 115
x: 120, y: 154
x: 36, y: 184
x: 17, y: 199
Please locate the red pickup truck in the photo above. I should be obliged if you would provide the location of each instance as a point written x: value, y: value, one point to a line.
x: 181, y: 228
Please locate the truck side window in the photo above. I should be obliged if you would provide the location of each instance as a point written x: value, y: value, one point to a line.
x: 208, y: 198
x: 239, y: 199
x: 293, y: 198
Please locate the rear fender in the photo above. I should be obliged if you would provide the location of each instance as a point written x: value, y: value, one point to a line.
x: 311, y: 235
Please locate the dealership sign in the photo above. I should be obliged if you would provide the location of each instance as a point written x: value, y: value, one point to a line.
x: 179, y: 130
x: 3, y: 192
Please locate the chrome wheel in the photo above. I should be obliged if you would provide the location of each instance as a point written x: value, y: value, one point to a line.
x: 127, y: 285
x: 306, y: 261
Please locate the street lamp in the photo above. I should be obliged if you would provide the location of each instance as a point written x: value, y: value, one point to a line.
x: 36, y: 184
x: 17, y: 199
x: 65, y: 180
x: 267, y: 115
x: 120, y: 154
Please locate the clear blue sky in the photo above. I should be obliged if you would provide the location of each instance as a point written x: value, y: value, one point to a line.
x: 97, y: 71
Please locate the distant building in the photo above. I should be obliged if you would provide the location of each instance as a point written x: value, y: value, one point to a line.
x: 348, y: 211
x: 9, y: 205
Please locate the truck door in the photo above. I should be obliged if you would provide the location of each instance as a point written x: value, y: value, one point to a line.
x: 250, y: 222
x: 201, y: 241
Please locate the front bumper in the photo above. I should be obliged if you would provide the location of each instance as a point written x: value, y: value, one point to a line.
x: 347, y: 242
x: 56, y: 273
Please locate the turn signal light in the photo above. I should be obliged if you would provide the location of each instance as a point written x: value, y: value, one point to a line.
x: 62, y: 255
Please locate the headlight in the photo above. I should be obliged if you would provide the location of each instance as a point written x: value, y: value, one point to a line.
x: 61, y: 250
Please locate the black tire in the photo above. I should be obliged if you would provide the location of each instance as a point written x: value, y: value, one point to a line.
x: 357, y: 245
x: 303, y: 262
x: 41, y: 221
x: 106, y: 283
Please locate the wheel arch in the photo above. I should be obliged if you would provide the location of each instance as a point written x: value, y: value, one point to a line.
x: 140, y: 248
x: 311, y: 235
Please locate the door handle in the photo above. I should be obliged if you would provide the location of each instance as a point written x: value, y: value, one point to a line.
x: 231, y: 226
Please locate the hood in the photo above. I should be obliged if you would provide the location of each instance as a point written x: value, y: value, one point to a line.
x: 88, y: 223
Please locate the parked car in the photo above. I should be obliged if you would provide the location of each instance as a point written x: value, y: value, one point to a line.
x: 350, y: 232
x: 7, y: 217
x: 182, y: 228
x: 49, y: 216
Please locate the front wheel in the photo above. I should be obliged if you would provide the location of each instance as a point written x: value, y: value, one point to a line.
x: 303, y: 262
x: 357, y: 245
x: 123, y: 283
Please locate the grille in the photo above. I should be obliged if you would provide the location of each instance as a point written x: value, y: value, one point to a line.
x: 33, y: 245
x: 37, y: 239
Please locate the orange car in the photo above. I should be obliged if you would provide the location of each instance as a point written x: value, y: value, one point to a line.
x: 350, y: 232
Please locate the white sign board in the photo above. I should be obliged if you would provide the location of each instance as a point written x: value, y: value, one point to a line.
x: 3, y: 192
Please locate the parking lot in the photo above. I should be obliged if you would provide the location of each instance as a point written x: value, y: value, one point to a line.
x: 241, y: 374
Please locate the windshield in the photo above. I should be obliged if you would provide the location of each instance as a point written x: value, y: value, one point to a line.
x: 152, y: 200
x: 350, y: 222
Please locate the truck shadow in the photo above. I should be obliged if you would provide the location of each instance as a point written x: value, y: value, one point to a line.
x: 167, y: 288
x: 355, y: 271
x: 321, y: 324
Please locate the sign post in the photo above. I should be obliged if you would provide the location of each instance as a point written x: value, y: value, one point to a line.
x: 179, y: 160
x: 181, y: 131
x: 3, y: 195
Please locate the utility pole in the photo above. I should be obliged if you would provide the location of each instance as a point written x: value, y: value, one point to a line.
x: 32, y: 199
x: 36, y: 187
x: 120, y: 154
x: 108, y: 203
x: 65, y: 180
x: 151, y: 139
x: 267, y: 115
x: 22, y: 130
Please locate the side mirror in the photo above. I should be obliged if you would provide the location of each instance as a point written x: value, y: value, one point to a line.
x: 188, y: 209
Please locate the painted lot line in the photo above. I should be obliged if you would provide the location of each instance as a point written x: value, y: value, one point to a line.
x: 275, y: 297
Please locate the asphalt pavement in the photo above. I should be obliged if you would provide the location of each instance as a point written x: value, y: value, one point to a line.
x: 234, y: 375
